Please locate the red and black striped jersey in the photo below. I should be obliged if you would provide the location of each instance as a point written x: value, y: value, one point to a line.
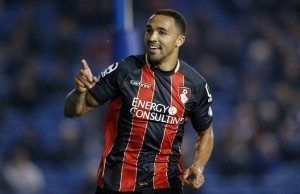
x: 145, y: 123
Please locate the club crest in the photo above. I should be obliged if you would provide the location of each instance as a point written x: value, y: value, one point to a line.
x: 184, y: 94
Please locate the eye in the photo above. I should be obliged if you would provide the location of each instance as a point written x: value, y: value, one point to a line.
x: 162, y: 32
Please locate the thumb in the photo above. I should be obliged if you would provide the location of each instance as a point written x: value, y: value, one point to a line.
x: 95, y: 79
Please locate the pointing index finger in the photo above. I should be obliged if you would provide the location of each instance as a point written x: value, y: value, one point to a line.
x: 84, y: 64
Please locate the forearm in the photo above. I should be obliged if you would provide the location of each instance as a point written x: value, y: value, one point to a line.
x: 203, y: 148
x: 75, y: 104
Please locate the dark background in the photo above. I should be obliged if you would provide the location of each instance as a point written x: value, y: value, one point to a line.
x: 248, y: 51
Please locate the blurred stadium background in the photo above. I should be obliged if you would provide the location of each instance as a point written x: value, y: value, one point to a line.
x: 248, y: 50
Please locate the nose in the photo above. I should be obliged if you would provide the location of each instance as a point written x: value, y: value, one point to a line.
x: 153, y: 36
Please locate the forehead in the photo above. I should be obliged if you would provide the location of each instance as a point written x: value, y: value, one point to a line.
x: 162, y: 21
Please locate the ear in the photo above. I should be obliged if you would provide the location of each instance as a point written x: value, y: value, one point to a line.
x: 180, y: 40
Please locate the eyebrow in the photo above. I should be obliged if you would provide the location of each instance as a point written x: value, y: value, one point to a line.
x: 159, y: 28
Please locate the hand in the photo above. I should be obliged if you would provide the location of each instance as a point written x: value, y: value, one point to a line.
x: 84, y: 80
x: 193, y: 176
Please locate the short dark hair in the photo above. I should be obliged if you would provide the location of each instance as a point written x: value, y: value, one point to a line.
x: 178, y: 17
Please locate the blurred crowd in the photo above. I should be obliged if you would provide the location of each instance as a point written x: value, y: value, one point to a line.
x: 248, y: 51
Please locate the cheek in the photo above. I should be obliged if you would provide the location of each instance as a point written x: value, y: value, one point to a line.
x: 171, y: 43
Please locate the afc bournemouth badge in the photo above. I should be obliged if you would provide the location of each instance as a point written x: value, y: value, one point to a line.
x: 184, y: 94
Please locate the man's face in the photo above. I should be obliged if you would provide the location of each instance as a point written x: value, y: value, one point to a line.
x: 162, y: 38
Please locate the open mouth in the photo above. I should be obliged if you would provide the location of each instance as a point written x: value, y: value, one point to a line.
x: 153, y: 48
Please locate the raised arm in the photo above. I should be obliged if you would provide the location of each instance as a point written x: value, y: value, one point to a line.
x: 193, y: 176
x: 80, y: 101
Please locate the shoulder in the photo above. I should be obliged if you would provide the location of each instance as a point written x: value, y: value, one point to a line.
x: 196, y: 82
x: 132, y: 62
x: 192, y: 76
x: 125, y: 66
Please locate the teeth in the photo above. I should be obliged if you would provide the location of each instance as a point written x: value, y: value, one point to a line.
x: 153, y: 47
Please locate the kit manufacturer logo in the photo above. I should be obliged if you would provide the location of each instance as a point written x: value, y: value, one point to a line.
x: 140, y: 84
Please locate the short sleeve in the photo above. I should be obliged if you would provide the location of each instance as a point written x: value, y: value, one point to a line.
x: 108, y: 86
x: 201, y: 114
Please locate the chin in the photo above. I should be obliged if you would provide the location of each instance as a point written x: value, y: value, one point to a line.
x: 154, y: 59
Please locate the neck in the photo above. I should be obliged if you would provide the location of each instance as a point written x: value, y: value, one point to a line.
x: 167, y: 64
